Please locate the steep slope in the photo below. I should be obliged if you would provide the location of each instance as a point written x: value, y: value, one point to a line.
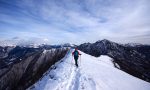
x: 24, y: 66
x: 131, y: 59
x: 92, y: 74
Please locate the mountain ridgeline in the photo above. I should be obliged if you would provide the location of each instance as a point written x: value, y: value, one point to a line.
x: 133, y: 59
x: 20, y: 67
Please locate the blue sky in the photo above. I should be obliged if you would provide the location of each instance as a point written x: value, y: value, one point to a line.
x: 75, y: 21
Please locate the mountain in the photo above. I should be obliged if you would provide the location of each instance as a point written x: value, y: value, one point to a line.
x: 5, y: 50
x: 133, y: 59
x: 21, y: 66
x: 43, y: 67
x: 19, y: 41
x: 93, y: 74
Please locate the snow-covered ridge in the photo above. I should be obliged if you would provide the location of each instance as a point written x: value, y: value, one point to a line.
x: 133, y: 60
x: 92, y: 74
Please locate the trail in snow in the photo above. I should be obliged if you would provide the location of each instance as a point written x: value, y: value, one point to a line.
x: 92, y: 74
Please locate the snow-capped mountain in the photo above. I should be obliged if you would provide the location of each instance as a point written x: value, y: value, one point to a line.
x: 132, y: 44
x: 19, y: 41
x: 134, y: 60
x: 22, y: 66
x: 93, y: 74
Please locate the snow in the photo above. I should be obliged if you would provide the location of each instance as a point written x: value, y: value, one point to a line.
x: 93, y: 74
x: 106, y: 59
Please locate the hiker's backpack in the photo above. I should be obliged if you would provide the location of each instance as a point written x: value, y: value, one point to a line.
x: 76, y: 53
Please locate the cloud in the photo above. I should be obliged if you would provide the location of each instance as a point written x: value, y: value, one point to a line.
x: 76, y: 21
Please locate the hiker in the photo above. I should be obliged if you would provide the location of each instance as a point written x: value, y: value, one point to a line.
x: 76, y: 56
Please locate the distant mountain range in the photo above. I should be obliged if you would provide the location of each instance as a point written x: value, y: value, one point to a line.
x: 21, y: 66
x: 132, y: 58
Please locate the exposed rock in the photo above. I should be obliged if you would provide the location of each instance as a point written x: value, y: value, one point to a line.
x: 134, y: 60
x: 27, y: 66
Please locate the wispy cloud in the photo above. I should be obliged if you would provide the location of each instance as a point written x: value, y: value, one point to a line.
x: 76, y: 21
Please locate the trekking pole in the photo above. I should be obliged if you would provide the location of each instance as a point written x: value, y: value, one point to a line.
x: 71, y: 60
x: 80, y: 60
